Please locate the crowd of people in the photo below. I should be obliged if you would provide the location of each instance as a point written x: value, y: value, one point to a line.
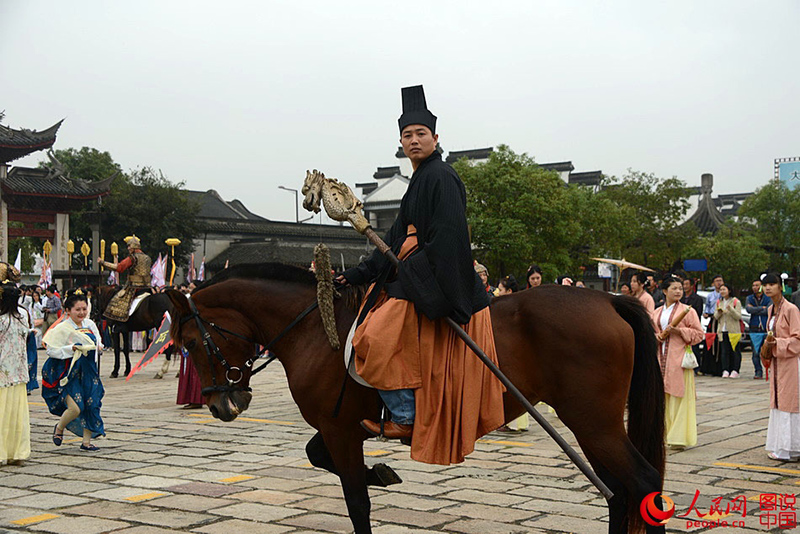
x: 32, y: 318
x: 704, y: 336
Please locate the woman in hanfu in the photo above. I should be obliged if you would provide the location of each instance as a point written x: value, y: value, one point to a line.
x: 780, y: 353
x: 681, y: 409
x: 71, y: 383
x: 15, y: 429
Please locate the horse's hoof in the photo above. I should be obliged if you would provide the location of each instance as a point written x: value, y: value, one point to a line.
x: 114, y: 374
x: 385, y: 475
x: 158, y: 376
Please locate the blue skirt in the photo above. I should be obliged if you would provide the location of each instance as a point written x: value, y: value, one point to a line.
x: 84, y: 387
x: 33, y: 362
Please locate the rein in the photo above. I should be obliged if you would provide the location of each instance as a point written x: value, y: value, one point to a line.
x: 212, y: 350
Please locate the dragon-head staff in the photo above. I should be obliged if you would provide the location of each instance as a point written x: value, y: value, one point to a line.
x: 312, y: 190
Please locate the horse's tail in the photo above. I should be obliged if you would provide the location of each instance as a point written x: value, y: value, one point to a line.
x: 646, y: 393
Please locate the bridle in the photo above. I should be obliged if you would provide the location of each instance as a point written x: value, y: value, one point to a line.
x: 212, y: 350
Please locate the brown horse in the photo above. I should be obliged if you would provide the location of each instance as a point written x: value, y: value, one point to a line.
x: 585, y: 353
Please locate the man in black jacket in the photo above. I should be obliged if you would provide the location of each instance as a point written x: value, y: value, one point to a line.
x: 431, y: 238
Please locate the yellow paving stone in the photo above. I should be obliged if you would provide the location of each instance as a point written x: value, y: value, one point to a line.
x: 504, y: 442
x: 145, y: 496
x: 34, y: 519
x: 378, y: 452
x: 140, y: 429
x: 238, y: 478
x: 760, y: 468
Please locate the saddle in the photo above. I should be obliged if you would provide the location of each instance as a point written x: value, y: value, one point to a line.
x: 124, y: 303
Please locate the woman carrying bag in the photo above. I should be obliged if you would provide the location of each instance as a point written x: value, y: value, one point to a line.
x: 678, y: 328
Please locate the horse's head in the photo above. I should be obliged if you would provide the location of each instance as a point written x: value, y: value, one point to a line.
x: 222, y: 361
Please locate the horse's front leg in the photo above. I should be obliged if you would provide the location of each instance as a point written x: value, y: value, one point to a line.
x: 378, y: 475
x: 116, y: 343
x: 348, y: 456
x: 126, y: 340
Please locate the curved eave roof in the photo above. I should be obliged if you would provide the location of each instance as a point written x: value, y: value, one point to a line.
x: 36, y: 182
x: 15, y: 144
x: 707, y: 217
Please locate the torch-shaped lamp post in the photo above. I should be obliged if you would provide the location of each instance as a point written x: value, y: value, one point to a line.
x: 114, y: 248
x: 70, y: 252
x: 85, y: 250
x: 172, y: 242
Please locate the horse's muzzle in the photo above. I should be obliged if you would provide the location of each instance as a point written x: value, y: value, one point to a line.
x: 228, y: 405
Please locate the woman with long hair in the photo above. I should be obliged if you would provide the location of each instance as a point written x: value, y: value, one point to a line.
x: 728, y: 314
x: 15, y: 427
x: 780, y: 353
x: 72, y: 387
x: 534, y: 276
x: 681, y: 410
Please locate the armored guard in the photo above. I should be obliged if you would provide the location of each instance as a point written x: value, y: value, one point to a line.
x: 138, y: 264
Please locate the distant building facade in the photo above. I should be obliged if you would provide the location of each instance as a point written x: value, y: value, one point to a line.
x: 382, y: 196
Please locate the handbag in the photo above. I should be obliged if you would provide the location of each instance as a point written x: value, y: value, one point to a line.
x: 689, y: 359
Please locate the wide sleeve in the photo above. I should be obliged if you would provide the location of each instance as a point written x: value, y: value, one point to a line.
x: 446, y: 243
x: 98, y: 338
x: 368, y: 270
x: 690, y: 329
x: 788, y: 340
x: 63, y: 352
x: 125, y: 264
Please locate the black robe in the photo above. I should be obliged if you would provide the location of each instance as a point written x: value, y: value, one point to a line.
x: 435, y: 203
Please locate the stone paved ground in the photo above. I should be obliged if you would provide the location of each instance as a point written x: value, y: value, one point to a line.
x: 163, y: 469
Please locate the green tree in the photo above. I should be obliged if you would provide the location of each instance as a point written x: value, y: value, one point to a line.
x: 143, y: 202
x: 149, y: 205
x: 86, y: 164
x: 29, y: 246
x: 520, y: 213
x: 774, y: 210
x: 655, y: 207
x: 734, y: 252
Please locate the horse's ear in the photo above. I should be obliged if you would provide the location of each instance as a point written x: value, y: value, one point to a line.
x: 179, y: 302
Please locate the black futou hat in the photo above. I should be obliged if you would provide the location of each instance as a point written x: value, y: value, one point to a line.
x: 415, y: 110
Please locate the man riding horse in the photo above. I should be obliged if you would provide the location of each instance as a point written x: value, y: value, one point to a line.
x: 138, y: 264
x: 439, y: 394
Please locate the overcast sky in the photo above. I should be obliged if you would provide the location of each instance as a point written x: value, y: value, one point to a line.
x: 243, y: 96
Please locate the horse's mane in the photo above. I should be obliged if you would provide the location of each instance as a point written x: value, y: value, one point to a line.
x: 279, y: 272
x: 282, y: 272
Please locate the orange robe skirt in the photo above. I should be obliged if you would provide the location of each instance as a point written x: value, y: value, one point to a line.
x: 457, y: 398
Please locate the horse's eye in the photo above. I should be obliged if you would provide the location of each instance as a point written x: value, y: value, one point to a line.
x: 190, y: 345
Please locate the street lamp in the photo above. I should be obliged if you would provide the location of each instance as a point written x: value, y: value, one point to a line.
x: 296, y: 205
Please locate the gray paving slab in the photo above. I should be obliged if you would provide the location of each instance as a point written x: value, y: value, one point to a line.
x: 162, y: 469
